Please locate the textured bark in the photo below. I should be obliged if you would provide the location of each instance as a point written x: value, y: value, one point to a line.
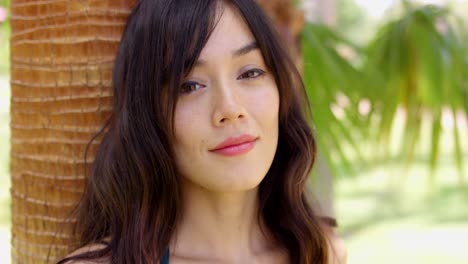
x: 62, y: 53
x: 61, y: 61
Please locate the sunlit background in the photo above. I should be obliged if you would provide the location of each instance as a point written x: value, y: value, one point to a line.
x: 388, y: 210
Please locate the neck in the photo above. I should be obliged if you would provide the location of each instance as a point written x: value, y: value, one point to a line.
x: 221, y: 226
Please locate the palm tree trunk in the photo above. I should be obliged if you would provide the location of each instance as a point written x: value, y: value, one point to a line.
x: 61, y: 60
x: 62, y: 54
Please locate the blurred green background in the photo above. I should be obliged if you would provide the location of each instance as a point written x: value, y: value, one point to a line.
x: 388, y: 86
x: 387, y: 82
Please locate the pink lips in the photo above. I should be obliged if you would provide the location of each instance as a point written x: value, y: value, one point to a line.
x: 235, y: 145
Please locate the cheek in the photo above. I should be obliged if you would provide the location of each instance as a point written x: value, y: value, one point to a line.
x: 186, y: 118
x: 185, y: 130
x: 266, y: 105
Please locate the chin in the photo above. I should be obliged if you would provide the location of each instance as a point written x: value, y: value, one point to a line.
x: 239, y: 185
x: 236, y: 181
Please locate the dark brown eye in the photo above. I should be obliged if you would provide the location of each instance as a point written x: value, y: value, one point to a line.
x: 251, y: 74
x: 188, y: 87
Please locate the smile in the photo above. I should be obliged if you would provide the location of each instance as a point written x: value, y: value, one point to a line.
x: 235, y: 146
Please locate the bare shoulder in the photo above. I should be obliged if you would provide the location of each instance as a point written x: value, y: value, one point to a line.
x: 86, y: 249
x: 337, y: 248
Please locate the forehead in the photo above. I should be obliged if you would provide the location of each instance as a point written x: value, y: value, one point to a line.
x: 230, y: 33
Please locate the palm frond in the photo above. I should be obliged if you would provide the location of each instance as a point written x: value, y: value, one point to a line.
x: 422, y: 62
x: 328, y: 76
x: 415, y: 67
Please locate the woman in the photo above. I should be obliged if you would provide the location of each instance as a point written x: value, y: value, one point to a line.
x: 206, y: 154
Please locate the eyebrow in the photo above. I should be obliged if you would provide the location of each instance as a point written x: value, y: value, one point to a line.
x: 246, y: 49
x: 237, y: 53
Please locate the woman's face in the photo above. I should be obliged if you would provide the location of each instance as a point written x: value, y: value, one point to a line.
x: 226, y: 117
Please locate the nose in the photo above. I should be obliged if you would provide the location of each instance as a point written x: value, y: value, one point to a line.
x: 228, y: 106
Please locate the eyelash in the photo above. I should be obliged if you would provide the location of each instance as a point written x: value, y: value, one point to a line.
x: 187, y: 87
x: 191, y: 86
x: 255, y: 71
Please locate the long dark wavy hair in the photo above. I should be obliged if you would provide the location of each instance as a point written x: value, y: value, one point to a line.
x: 132, y: 197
